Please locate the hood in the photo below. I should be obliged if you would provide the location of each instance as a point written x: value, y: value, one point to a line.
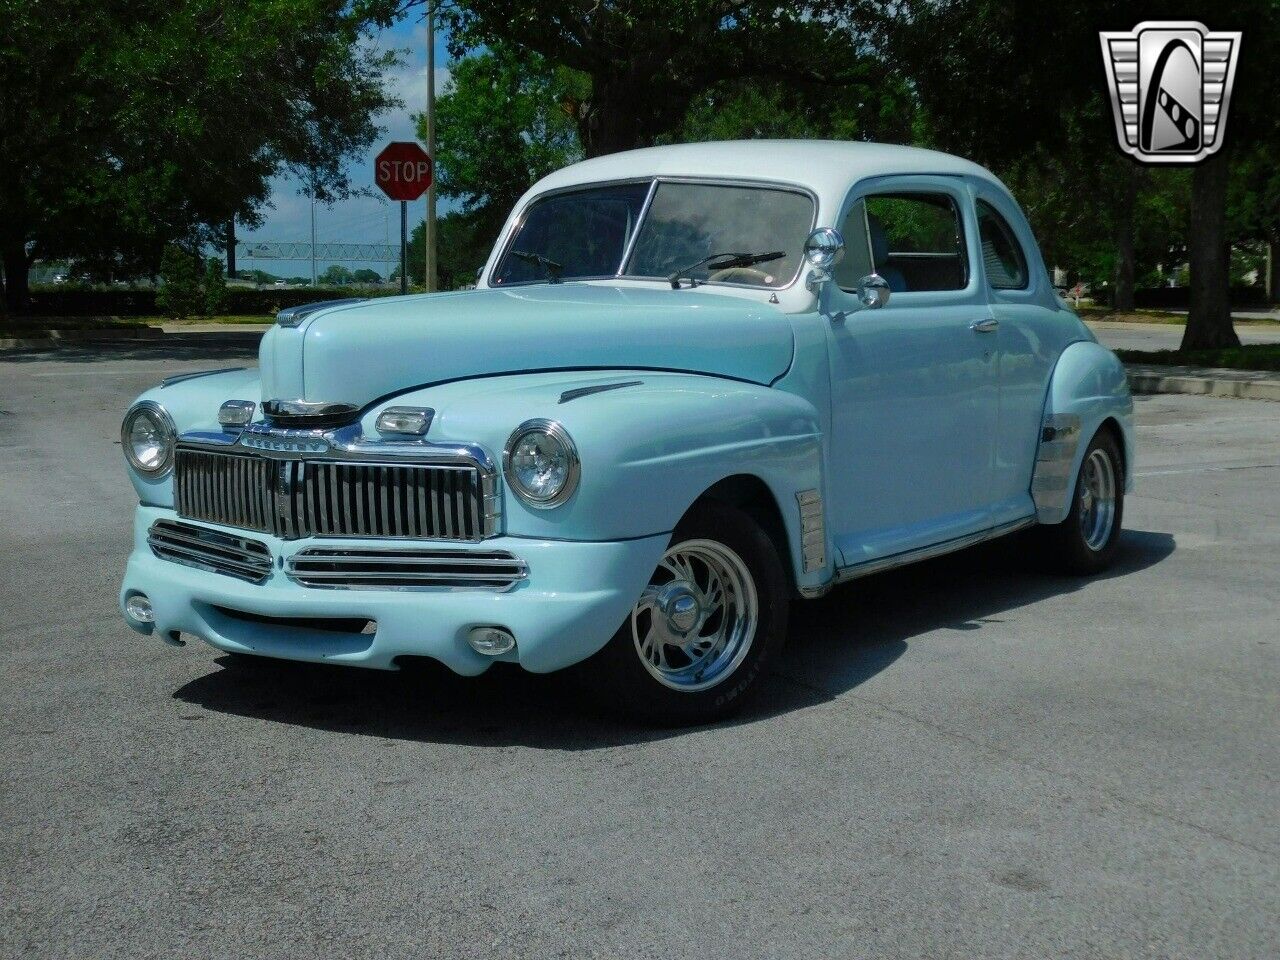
x: 358, y: 353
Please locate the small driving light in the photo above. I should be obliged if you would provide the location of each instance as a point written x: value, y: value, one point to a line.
x: 138, y: 607
x: 147, y: 437
x: 824, y: 248
x: 491, y: 641
x: 236, y: 413
x: 413, y: 421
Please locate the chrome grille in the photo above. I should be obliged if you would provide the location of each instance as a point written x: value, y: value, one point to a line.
x: 210, y: 550
x: 374, y: 568
x: 305, y: 498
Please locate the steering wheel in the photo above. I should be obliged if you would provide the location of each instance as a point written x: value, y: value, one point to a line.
x: 741, y: 275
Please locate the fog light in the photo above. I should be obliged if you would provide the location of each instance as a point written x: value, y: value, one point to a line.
x: 413, y: 421
x: 139, y: 609
x: 236, y: 413
x: 491, y: 641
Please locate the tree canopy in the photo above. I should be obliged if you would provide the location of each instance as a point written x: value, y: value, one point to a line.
x: 139, y: 122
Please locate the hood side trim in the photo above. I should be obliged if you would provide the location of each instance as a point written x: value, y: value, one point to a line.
x: 410, y: 388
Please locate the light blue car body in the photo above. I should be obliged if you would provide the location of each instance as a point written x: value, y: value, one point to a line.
x: 916, y: 434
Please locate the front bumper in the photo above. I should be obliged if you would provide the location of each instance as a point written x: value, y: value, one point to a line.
x: 574, y: 598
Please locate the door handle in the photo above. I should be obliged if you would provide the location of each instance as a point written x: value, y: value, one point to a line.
x: 986, y: 325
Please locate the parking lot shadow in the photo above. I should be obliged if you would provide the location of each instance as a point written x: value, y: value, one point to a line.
x: 834, y: 645
x: 176, y: 347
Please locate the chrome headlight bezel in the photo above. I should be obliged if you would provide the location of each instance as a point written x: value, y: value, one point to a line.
x: 559, y: 436
x: 159, y: 416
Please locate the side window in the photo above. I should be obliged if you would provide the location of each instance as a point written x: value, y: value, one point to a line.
x: 856, y: 262
x: 1002, y: 256
x: 917, y: 241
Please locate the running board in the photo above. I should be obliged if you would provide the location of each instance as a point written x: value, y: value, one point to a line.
x: 845, y: 574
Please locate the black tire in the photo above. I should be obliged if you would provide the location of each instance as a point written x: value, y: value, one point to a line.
x: 1067, y: 545
x: 618, y: 677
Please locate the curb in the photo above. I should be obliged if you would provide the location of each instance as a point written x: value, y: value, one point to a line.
x: 55, y: 338
x: 1238, y: 384
x: 139, y: 336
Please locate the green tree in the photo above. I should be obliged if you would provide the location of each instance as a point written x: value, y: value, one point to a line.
x: 215, y: 287
x: 127, y: 125
x: 644, y: 61
x: 1253, y: 209
x: 464, y: 239
x: 503, y: 123
x: 180, y: 294
x: 998, y: 83
x: 367, y: 276
x: 336, y: 276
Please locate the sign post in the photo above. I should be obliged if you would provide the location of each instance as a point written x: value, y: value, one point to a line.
x: 403, y: 171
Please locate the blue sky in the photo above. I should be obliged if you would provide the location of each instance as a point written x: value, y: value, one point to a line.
x: 360, y: 219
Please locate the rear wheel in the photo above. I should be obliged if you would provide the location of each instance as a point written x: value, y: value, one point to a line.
x: 714, y: 611
x: 1086, y: 541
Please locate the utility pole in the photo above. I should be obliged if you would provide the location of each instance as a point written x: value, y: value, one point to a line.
x: 313, y: 236
x: 429, y: 228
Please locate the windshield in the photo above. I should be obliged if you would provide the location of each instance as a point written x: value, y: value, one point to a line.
x: 586, y: 233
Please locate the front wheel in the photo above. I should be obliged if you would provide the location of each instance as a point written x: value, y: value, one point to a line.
x: 1086, y: 541
x: 714, y: 611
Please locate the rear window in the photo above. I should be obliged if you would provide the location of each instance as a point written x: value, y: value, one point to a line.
x: 1002, y: 255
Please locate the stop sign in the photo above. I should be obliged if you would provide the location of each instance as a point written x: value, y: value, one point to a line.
x: 403, y: 171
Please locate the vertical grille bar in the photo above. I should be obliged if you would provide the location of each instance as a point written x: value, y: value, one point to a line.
x: 302, y: 498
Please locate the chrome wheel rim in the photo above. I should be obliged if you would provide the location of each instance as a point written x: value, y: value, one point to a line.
x: 697, y: 618
x: 1096, y: 493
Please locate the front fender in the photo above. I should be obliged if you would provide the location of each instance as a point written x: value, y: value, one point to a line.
x: 648, y: 450
x: 1088, y: 387
x: 192, y: 402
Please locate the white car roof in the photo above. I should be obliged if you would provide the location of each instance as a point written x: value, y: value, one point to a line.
x: 827, y: 167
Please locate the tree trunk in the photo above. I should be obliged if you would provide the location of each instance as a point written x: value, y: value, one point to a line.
x: 611, y: 124
x: 623, y: 114
x: 1273, y: 271
x: 231, y: 248
x: 1124, y: 243
x: 1209, y: 324
x: 16, y: 264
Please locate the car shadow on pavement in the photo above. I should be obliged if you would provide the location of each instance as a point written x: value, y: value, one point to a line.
x: 835, y: 644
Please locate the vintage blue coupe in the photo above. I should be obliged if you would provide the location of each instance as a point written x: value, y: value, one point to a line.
x: 694, y: 383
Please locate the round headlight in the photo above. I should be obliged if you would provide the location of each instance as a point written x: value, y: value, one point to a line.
x: 147, y: 436
x: 541, y: 463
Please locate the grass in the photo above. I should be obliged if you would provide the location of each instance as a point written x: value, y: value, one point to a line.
x: 1153, y: 316
x: 1258, y: 356
x: 223, y: 318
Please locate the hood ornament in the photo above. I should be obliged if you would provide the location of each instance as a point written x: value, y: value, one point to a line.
x: 309, y: 414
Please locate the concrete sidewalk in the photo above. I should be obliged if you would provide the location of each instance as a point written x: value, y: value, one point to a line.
x: 1205, y: 381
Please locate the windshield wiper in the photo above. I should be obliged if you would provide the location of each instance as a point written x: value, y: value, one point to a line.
x: 722, y: 261
x: 553, y: 269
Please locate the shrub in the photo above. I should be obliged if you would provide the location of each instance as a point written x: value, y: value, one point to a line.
x: 180, y: 294
x: 215, y: 286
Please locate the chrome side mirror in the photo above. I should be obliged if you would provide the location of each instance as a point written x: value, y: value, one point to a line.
x: 823, y: 249
x: 873, y: 291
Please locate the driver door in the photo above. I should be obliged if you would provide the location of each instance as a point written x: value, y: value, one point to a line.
x: 914, y: 391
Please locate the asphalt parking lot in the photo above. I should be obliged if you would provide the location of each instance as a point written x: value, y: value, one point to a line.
x: 964, y: 759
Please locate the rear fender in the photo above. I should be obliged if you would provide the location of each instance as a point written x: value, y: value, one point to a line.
x: 1088, y: 387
